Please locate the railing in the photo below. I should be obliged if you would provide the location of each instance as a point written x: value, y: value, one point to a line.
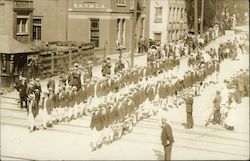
x: 59, y: 57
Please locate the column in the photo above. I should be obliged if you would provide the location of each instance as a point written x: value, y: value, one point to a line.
x: 11, y: 64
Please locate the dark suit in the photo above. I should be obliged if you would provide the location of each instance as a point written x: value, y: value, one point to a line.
x: 23, y: 94
x: 217, y: 101
x: 189, y: 110
x: 167, y: 140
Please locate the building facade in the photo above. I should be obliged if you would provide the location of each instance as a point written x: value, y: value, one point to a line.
x: 106, y: 23
x: 177, y: 24
x: 168, y: 20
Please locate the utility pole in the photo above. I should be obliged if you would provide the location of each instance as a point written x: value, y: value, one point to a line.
x: 196, y: 18
x: 202, y: 16
x: 132, y: 34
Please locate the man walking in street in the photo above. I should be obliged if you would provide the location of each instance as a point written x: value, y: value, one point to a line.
x: 217, y: 104
x: 189, y: 110
x: 167, y: 138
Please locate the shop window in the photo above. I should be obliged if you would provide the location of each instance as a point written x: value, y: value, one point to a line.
x: 94, y: 32
x: 22, y: 25
x: 121, y: 2
x: 158, y: 14
x: 157, y: 37
x: 37, y: 29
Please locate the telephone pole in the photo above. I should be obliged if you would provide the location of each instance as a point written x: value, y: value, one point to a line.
x: 132, y: 34
x: 202, y: 16
x: 196, y: 18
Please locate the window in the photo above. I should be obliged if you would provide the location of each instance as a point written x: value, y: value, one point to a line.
x: 173, y: 15
x: 169, y: 36
x: 37, y: 29
x: 169, y: 14
x: 177, y: 14
x: 157, y: 37
x: 22, y: 25
x: 121, y: 2
x: 120, y: 33
x: 94, y: 32
x: 158, y: 14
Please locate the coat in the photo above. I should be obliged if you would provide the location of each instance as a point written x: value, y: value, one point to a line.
x: 49, y: 104
x: 189, y: 104
x: 22, y: 90
x: 106, y: 119
x: 167, y: 135
x: 51, y: 84
x: 217, y: 101
x: 96, y: 121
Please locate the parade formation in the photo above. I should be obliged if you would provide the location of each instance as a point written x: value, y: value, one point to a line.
x: 118, y: 102
x: 124, y: 80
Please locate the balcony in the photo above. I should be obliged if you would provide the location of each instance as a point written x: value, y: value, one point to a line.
x: 23, y: 5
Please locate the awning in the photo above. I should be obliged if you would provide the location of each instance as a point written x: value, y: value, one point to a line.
x: 9, y: 45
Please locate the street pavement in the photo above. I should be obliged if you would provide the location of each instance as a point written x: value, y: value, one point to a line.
x: 71, y: 140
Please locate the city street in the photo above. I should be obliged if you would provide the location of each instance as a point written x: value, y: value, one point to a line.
x: 70, y: 141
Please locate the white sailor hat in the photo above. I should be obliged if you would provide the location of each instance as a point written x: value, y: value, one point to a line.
x: 76, y: 65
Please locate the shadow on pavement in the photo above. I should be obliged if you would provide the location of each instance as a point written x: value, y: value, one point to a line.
x: 158, y: 154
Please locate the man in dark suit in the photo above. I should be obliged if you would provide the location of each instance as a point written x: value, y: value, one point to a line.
x: 23, y: 93
x: 189, y: 104
x: 217, y: 104
x: 167, y: 138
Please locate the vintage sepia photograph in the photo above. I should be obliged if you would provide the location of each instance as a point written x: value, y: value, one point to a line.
x: 124, y: 80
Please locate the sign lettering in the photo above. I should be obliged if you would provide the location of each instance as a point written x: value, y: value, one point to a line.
x: 93, y: 5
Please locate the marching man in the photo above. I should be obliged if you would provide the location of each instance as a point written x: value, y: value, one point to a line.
x: 96, y: 127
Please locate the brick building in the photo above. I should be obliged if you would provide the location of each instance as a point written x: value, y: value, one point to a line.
x: 104, y: 22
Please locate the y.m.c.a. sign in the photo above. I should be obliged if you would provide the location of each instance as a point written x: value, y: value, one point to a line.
x: 89, y: 4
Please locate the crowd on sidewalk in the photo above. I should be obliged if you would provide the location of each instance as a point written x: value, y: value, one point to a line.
x: 226, y: 99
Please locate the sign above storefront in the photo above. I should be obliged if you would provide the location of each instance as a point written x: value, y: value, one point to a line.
x: 89, y: 4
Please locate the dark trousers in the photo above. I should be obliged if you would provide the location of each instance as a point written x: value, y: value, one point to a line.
x: 217, y: 116
x: 190, y: 121
x: 167, y: 151
x: 23, y: 99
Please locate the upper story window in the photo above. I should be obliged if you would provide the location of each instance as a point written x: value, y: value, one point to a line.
x: 121, y: 2
x: 169, y: 14
x: 22, y: 24
x: 158, y: 14
x: 37, y: 29
x: 94, y: 32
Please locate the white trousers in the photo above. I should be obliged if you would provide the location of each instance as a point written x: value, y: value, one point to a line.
x: 46, y: 117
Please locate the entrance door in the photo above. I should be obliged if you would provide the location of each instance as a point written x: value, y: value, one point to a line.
x: 20, y: 64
